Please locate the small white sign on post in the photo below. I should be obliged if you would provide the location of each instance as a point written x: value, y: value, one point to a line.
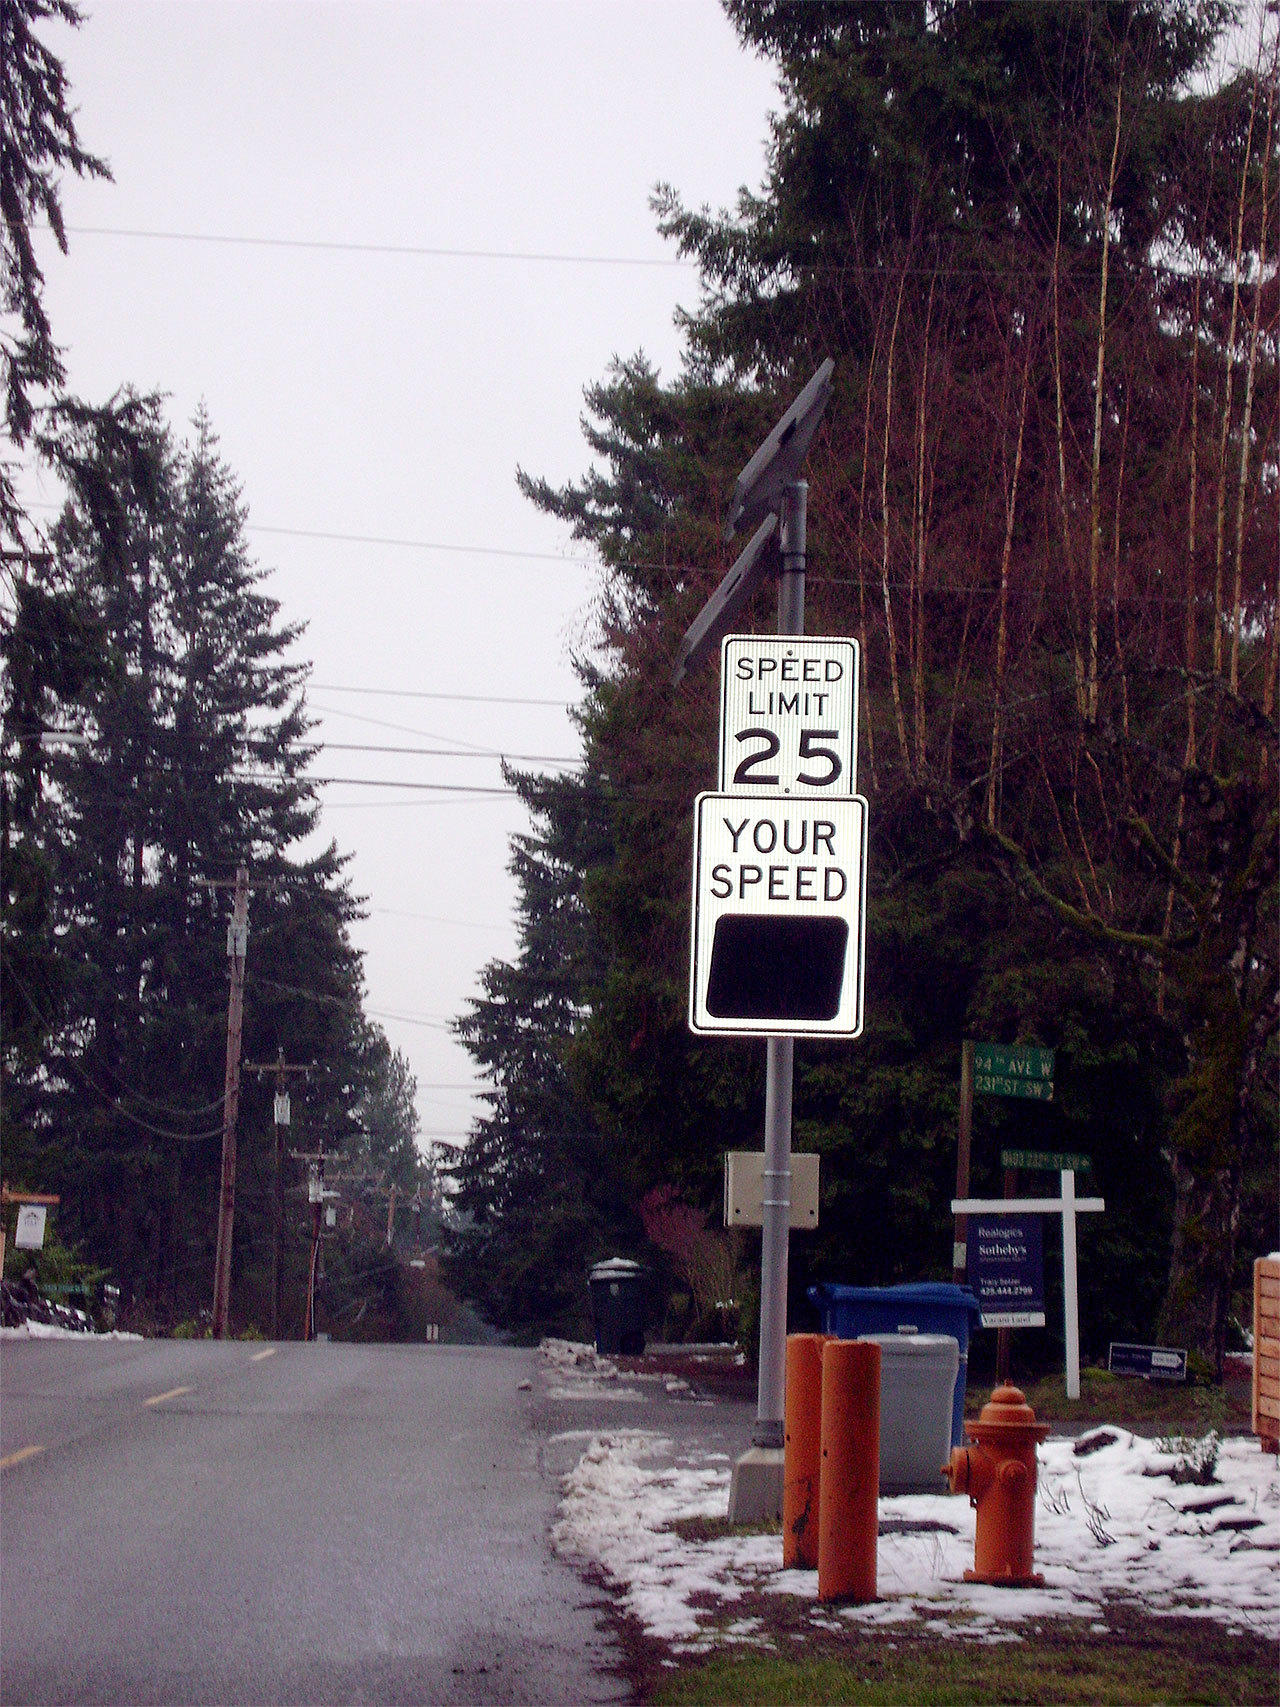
x: 29, y: 1235
x: 778, y: 916
x: 788, y: 715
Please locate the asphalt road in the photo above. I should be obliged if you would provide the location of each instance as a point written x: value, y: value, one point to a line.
x: 283, y: 1524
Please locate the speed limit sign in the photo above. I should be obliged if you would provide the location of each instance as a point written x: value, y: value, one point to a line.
x: 788, y: 716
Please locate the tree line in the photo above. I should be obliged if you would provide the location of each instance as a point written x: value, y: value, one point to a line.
x: 1038, y: 241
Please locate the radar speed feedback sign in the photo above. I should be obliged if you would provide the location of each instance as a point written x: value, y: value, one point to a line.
x: 788, y: 715
x: 779, y: 907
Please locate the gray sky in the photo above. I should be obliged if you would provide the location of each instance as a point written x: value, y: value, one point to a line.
x: 389, y: 397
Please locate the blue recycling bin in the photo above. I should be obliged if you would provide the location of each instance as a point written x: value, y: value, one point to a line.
x: 927, y: 1306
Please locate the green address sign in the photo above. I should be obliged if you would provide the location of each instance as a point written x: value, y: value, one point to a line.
x: 1047, y: 1161
x: 1017, y: 1070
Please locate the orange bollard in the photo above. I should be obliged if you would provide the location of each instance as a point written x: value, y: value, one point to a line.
x: 848, y: 1510
x: 802, y: 1461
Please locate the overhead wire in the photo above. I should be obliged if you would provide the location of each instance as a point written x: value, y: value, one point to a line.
x: 69, y: 1063
x: 781, y: 265
x: 674, y: 572
x: 422, y: 693
x: 449, y: 753
x: 434, y: 919
x: 346, y: 246
x: 400, y: 728
x: 344, y: 1002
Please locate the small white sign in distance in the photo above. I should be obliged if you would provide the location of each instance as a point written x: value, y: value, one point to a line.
x: 29, y: 1233
x: 788, y: 715
x: 779, y: 906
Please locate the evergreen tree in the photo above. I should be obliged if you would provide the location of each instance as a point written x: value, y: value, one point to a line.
x: 1035, y: 240
x: 196, y: 743
x: 38, y: 139
x: 534, y: 1194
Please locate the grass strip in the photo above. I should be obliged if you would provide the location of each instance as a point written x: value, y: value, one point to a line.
x: 1138, y: 1662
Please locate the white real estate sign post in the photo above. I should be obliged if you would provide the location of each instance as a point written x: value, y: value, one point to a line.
x: 1068, y: 1206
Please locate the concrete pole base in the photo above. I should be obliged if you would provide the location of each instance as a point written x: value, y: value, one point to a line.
x: 755, y: 1491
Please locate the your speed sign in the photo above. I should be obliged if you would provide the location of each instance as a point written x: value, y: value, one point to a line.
x: 788, y: 716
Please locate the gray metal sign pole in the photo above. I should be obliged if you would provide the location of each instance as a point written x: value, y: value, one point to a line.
x: 779, y: 1072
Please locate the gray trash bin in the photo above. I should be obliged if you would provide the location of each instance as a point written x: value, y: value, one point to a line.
x: 923, y: 1307
x: 619, y: 1295
x: 917, y: 1378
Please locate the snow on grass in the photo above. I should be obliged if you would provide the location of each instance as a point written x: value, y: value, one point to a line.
x: 1110, y: 1524
x: 617, y: 1511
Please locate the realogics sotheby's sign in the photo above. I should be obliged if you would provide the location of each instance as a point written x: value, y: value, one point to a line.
x: 1006, y: 1270
x: 1018, y: 1070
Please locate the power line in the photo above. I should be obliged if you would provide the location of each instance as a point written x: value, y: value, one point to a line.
x: 397, y: 542
x: 788, y: 267
x: 400, y: 728
x: 449, y: 753
x: 434, y: 919
x: 478, y: 789
x: 345, y: 1002
x: 69, y: 1063
x: 420, y: 544
x: 872, y: 580
x: 431, y: 251
x: 418, y: 693
x: 418, y: 802
x: 407, y: 1019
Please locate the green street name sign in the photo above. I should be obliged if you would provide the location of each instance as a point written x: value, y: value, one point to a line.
x: 1018, y: 1070
x: 1050, y: 1161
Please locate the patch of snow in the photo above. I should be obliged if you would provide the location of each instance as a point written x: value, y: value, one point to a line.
x: 50, y: 1331
x: 590, y: 1390
x: 580, y: 1372
x: 568, y: 1357
x: 1109, y: 1525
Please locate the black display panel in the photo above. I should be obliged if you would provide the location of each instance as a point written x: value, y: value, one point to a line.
x: 780, y: 968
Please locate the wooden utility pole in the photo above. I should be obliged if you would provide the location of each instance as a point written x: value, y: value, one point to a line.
x: 237, y: 945
x: 281, y: 1116
x: 960, y: 1247
x: 316, y: 1194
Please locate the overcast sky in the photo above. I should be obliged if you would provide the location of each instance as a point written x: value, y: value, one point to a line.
x: 266, y: 158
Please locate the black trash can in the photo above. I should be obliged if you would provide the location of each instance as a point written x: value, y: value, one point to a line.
x: 619, y: 1293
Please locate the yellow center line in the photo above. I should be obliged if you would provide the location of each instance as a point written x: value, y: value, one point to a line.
x: 23, y: 1452
x: 259, y: 1355
x: 173, y: 1393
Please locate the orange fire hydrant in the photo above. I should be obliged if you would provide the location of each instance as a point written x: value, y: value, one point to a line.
x: 999, y: 1476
